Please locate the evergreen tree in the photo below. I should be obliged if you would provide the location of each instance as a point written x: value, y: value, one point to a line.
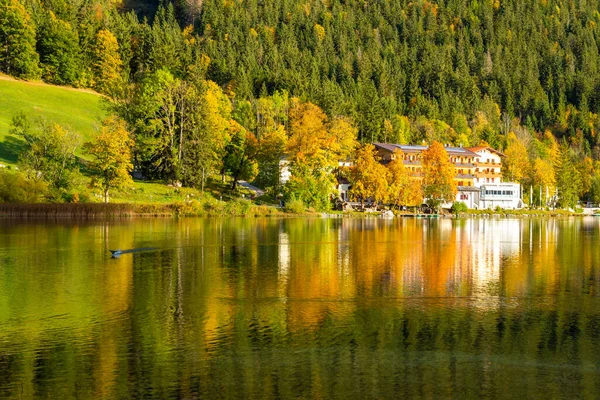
x: 17, y: 41
x: 107, y: 63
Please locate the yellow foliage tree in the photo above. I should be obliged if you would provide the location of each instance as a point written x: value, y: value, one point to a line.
x: 112, y: 156
x: 315, y: 146
x: 438, y: 175
x: 544, y: 175
x: 344, y: 135
x: 271, y: 150
x: 516, y: 167
x: 586, y: 171
x: 399, y: 184
x: 107, y: 65
x: 203, y: 151
x: 368, y: 176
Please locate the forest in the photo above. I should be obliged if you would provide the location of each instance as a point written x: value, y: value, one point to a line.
x: 226, y: 87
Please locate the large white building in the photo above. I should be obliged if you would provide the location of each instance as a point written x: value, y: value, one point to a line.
x: 506, y: 195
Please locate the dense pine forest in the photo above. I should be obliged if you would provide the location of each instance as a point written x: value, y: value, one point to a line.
x: 218, y: 85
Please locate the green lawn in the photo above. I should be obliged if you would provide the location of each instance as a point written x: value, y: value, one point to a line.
x: 79, y: 110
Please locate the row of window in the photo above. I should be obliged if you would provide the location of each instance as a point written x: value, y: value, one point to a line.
x: 499, y: 192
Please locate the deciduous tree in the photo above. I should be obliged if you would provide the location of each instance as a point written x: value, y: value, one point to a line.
x: 438, y: 175
x: 49, y: 151
x: 368, y: 176
x: 240, y: 154
x: 516, y: 166
x: 568, y: 181
x: 403, y: 190
x: 111, y: 151
x: 311, y: 158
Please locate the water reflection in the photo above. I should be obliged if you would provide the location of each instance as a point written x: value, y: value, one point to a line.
x: 330, y: 308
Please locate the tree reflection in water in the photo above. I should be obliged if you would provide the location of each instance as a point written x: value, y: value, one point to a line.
x: 278, y: 308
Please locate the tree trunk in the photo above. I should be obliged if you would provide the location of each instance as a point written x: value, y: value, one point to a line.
x: 106, y: 195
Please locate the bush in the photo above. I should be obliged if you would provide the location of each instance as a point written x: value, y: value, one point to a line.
x: 17, y: 188
x: 295, y: 206
x: 459, y: 207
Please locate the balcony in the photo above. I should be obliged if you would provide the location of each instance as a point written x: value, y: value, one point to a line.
x: 466, y: 165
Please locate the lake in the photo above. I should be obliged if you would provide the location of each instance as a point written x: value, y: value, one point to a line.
x: 300, y: 308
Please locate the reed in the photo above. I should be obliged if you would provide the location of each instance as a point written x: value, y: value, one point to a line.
x: 194, y: 208
x: 66, y: 210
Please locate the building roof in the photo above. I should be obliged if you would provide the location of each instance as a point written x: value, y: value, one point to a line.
x: 475, y: 149
x: 468, y: 189
x: 406, y: 148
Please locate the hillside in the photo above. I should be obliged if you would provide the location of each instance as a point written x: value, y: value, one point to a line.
x: 79, y: 110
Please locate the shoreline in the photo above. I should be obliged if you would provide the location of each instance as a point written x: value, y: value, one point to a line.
x: 233, y: 209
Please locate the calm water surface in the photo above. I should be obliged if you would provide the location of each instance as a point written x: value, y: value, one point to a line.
x: 297, y: 308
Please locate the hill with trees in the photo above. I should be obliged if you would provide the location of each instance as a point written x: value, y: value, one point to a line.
x: 203, y: 84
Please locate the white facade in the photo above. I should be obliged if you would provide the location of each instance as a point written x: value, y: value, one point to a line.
x: 489, y: 166
x: 504, y: 195
x: 468, y: 195
x: 343, y: 188
x: 284, y: 171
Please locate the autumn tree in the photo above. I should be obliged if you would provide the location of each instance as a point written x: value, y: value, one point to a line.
x: 17, y: 41
x: 271, y: 150
x: 312, y: 156
x: 585, y: 168
x: 402, y: 189
x: 344, y: 133
x: 544, y: 176
x: 516, y: 165
x: 368, y: 176
x: 568, y: 181
x: 107, y: 64
x: 111, y: 153
x: 438, y: 175
x: 49, y: 151
x: 207, y: 137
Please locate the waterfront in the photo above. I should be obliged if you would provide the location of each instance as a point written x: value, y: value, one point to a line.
x: 307, y: 308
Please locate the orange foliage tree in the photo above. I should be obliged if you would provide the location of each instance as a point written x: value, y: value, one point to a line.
x: 368, y: 176
x: 402, y: 189
x: 315, y: 146
x: 438, y: 179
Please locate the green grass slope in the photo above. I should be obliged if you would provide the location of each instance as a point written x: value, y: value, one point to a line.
x: 80, y: 110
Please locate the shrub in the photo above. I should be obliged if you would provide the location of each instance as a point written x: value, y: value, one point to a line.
x: 459, y: 207
x: 17, y: 188
x: 295, y: 206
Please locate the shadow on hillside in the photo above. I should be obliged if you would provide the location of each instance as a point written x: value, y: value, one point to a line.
x: 10, y: 148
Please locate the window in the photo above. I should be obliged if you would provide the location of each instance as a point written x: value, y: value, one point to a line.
x: 464, y: 197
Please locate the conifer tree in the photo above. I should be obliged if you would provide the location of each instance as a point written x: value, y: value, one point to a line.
x: 107, y: 64
x: 17, y: 41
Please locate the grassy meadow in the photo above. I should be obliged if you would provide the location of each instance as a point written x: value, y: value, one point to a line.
x: 80, y: 110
